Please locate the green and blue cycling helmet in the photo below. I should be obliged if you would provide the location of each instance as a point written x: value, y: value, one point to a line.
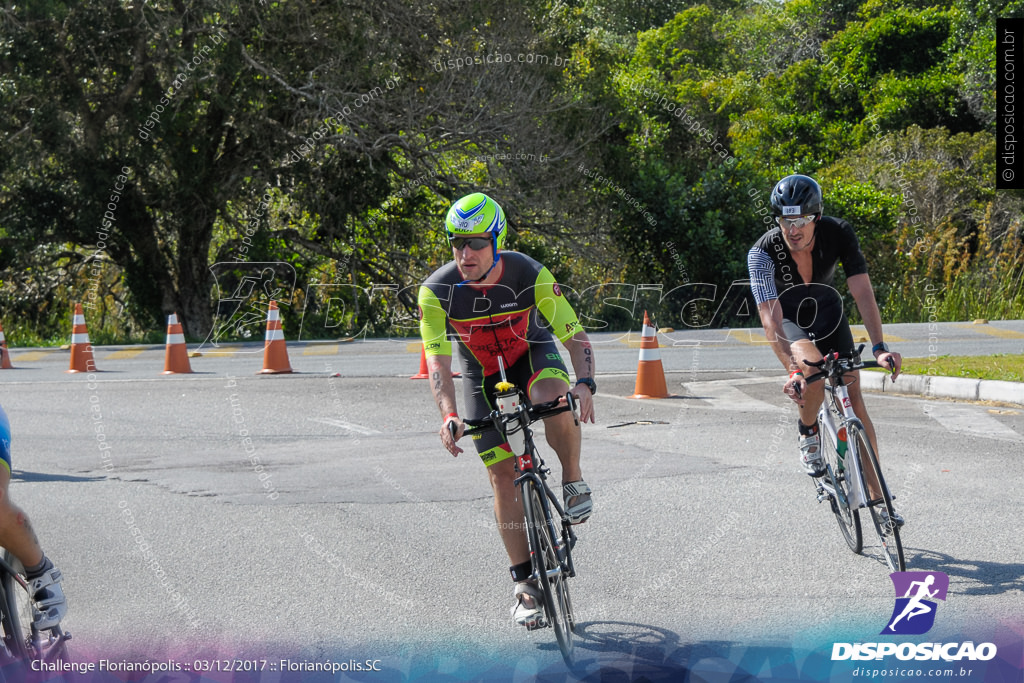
x: 476, y: 214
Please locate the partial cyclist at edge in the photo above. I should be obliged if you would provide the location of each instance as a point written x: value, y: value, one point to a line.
x: 792, y: 273
x: 499, y: 304
x: 17, y: 536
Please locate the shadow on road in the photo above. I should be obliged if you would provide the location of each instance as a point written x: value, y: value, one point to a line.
x: 974, y: 577
x: 640, y: 642
x: 613, y: 651
x: 39, y: 477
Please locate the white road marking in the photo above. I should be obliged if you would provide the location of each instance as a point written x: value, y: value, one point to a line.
x: 723, y: 395
x: 358, y: 429
x: 975, y: 421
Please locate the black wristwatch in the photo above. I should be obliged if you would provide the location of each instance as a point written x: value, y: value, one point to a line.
x: 589, y: 381
x: 880, y: 346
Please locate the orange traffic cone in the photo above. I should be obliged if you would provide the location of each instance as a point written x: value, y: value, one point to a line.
x: 176, y: 355
x: 5, y: 364
x: 275, y: 352
x: 423, y: 374
x: 650, y: 375
x: 81, y: 349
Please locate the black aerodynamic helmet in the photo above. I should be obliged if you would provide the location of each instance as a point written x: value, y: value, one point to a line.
x: 796, y: 195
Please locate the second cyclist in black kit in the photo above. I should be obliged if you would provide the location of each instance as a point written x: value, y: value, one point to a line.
x: 792, y: 273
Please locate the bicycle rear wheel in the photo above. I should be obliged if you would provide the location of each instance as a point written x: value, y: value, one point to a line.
x: 836, y: 477
x: 551, y: 578
x: 887, y: 529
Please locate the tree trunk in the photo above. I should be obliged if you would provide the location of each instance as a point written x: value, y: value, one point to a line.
x: 194, y: 279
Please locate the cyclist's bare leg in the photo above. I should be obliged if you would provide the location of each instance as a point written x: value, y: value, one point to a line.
x: 561, y: 431
x: 16, y: 532
x: 508, y: 511
x: 814, y: 394
x: 857, y: 402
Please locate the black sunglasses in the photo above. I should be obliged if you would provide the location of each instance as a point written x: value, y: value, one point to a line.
x: 475, y: 243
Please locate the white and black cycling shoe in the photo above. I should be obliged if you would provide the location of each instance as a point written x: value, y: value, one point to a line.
x: 531, y: 616
x: 583, y: 506
x: 50, y: 604
x: 897, y: 518
x: 810, y: 455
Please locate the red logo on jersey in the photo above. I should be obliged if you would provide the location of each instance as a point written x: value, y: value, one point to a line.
x: 557, y: 289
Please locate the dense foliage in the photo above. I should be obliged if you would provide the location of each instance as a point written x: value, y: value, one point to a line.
x: 203, y: 156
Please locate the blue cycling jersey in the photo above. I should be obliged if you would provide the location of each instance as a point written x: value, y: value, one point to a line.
x: 5, y: 439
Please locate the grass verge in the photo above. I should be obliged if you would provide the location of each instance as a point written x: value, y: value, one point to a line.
x: 1000, y: 366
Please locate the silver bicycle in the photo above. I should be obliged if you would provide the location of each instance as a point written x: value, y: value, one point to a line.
x: 848, y: 457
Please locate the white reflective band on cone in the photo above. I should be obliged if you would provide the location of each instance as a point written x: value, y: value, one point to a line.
x: 275, y: 335
x: 80, y: 339
x: 649, y: 354
x: 78, y: 320
x: 175, y: 339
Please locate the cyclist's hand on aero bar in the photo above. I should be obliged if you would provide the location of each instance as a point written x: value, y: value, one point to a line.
x: 893, y: 361
x: 795, y: 386
x: 446, y: 434
x: 585, y: 402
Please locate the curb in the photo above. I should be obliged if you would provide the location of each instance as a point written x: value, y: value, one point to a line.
x: 933, y: 386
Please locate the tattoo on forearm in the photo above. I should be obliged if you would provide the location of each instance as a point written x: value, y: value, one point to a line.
x: 437, y: 385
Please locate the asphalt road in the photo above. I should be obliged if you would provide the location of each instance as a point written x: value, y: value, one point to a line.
x: 311, y: 515
x: 689, y: 351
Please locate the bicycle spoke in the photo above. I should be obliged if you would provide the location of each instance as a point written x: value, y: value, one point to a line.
x: 885, y: 527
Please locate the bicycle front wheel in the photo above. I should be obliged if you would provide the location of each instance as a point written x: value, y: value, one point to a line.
x: 551, y: 577
x: 836, y: 477
x: 21, y: 640
x: 17, y: 630
x: 886, y: 528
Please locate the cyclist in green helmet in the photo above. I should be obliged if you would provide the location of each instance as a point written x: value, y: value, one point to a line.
x: 500, y: 304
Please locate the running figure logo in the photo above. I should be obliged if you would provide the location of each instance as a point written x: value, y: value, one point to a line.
x: 914, y: 612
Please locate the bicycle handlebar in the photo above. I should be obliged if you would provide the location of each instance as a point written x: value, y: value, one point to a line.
x: 837, y: 364
x: 533, y: 413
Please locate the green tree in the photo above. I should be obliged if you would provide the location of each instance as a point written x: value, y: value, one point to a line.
x: 351, y: 119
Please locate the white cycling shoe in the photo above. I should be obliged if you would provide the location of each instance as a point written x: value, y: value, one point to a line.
x: 530, y: 616
x: 583, y: 504
x: 810, y: 455
x: 50, y: 603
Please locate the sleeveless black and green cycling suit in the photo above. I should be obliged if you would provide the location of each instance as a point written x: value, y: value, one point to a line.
x: 810, y: 310
x: 508, y: 319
